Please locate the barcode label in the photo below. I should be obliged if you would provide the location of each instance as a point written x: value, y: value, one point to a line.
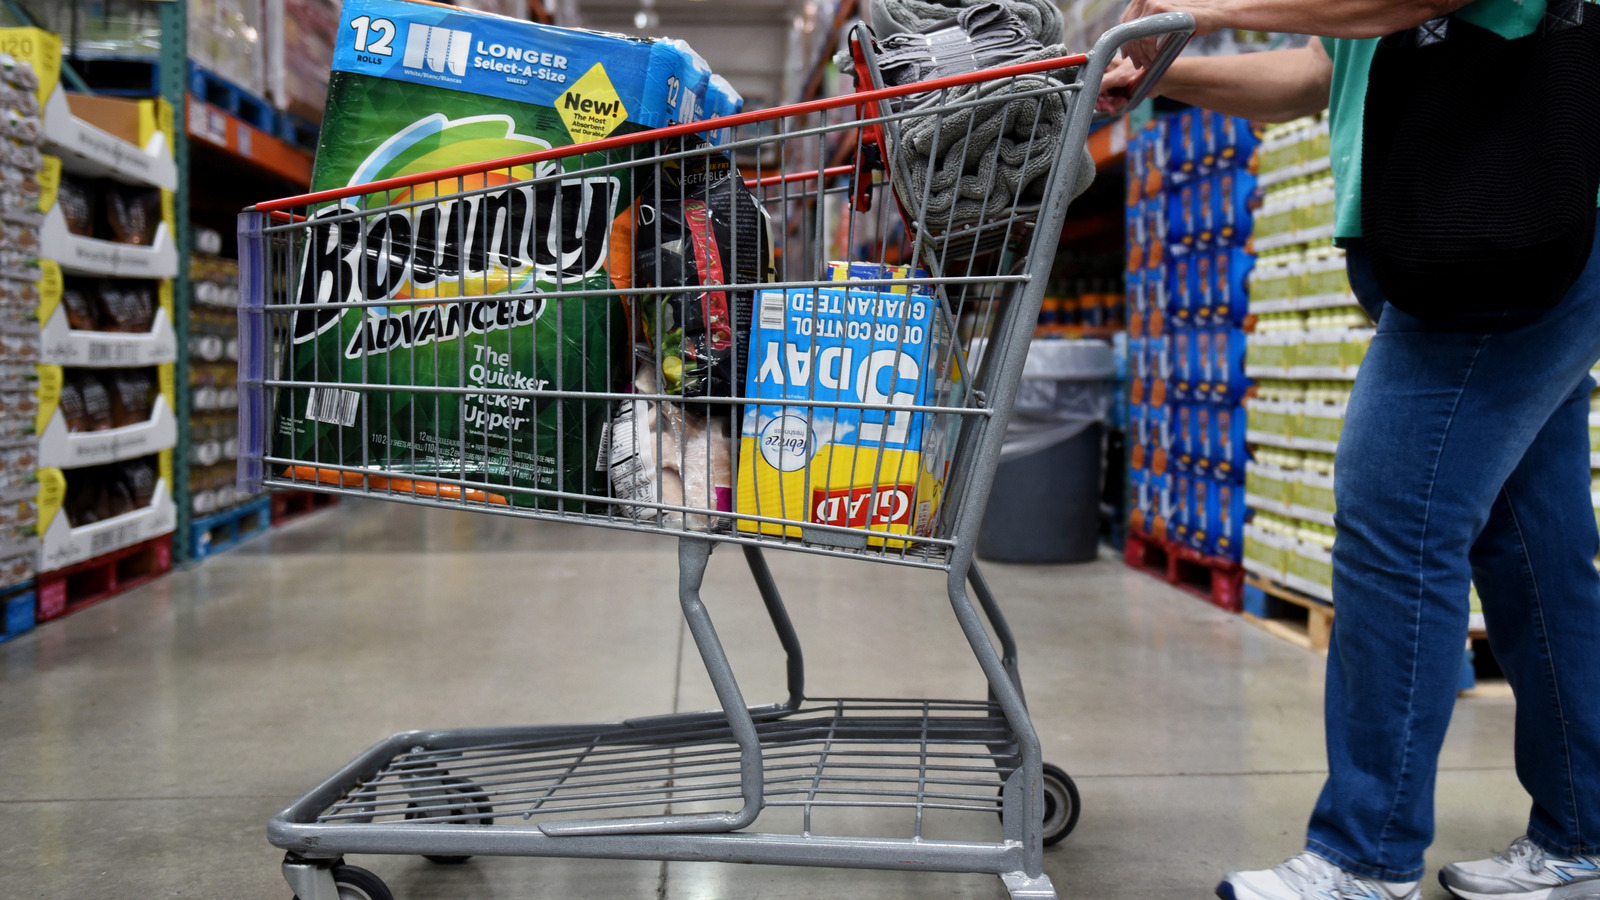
x: 116, y: 538
x: 772, y: 310
x: 103, y: 353
x: 333, y: 406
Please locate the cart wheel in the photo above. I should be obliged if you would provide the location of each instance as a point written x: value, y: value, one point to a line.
x: 1061, y: 805
x: 477, y: 811
x: 356, y: 883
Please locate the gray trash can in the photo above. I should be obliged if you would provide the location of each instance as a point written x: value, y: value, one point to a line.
x: 1045, y: 504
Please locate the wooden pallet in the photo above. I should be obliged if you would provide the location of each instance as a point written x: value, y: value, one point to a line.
x: 232, y: 99
x: 1308, y: 622
x: 1287, y: 613
x: 1218, y: 581
x: 87, y: 583
x: 297, y: 132
x: 290, y: 505
x: 220, y: 531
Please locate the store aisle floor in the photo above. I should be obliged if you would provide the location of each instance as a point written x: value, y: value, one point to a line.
x: 145, y: 742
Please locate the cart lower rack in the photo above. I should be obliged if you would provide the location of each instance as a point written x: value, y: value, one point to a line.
x: 451, y: 339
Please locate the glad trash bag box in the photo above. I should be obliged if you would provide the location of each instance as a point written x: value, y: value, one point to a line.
x: 878, y: 469
x: 418, y: 87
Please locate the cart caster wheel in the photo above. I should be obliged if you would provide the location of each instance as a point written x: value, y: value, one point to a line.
x: 477, y: 811
x: 1061, y: 805
x: 356, y: 883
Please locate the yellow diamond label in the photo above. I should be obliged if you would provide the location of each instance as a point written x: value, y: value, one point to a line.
x: 591, y: 107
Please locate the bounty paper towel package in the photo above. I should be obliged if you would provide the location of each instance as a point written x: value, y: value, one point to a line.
x: 855, y: 468
x: 417, y: 87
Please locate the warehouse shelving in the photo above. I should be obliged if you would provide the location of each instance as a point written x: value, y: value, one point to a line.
x: 62, y: 545
x: 88, y: 149
x: 246, y: 142
x: 65, y: 449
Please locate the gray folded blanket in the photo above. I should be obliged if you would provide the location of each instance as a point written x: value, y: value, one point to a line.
x: 981, y: 36
x: 1042, y: 17
x: 988, y: 160
x: 992, y: 159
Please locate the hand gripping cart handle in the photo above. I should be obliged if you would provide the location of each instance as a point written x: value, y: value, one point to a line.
x: 750, y: 331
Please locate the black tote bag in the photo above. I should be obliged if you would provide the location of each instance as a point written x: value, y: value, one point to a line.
x: 1480, y: 163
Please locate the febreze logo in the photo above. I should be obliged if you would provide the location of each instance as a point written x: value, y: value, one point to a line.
x: 863, y: 507
x: 437, y: 48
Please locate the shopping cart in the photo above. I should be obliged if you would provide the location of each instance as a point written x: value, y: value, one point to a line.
x: 649, y: 333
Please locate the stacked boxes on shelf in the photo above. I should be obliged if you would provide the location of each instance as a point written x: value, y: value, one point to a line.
x: 1309, y: 339
x: 1084, y: 296
x: 1190, y: 192
x: 105, y: 415
x: 221, y: 516
x: 20, y: 164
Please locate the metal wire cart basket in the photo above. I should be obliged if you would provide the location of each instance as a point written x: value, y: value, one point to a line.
x: 755, y: 335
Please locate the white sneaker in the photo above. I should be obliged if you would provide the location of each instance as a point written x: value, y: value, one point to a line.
x: 1310, y: 877
x: 1524, y: 871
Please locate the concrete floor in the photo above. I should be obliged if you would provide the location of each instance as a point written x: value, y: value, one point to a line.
x: 145, y: 742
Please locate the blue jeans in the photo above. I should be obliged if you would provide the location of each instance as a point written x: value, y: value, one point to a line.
x: 1465, y: 455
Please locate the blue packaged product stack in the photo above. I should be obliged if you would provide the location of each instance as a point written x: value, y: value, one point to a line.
x: 1189, y: 213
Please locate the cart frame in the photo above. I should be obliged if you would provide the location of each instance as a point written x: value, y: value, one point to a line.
x: 922, y: 757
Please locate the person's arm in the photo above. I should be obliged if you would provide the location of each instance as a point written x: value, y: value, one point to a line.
x: 1272, y: 86
x: 1332, y: 18
x: 1266, y: 87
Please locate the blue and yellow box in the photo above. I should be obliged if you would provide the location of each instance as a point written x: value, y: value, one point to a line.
x: 878, y: 469
x: 1228, y: 451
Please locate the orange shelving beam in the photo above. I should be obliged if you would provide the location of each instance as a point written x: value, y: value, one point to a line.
x: 218, y: 128
x: 1108, y: 145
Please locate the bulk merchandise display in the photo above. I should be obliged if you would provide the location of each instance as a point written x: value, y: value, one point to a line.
x: 105, y: 414
x: 1309, y: 340
x: 1084, y: 296
x: 299, y: 56
x: 220, y: 516
x: 1189, y: 222
x: 225, y: 37
x: 20, y: 165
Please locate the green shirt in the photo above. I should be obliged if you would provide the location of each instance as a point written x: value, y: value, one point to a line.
x: 1352, y: 59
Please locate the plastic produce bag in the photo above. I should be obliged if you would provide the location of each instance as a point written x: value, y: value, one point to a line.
x: 668, y: 454
x: 697, y: 224
x: 1066, y: 387
x: 1049, y: 412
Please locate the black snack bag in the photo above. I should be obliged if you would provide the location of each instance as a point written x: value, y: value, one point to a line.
x: 82, y: 505
x: 83, y: 314
x: 697, y: 222
x: 139, y: 476
x: 72, y: 408
x: 127, y: 306
x: 96, y: 401
x: 130, y: 392
x: 133, y: 214
x: 79, y: 203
